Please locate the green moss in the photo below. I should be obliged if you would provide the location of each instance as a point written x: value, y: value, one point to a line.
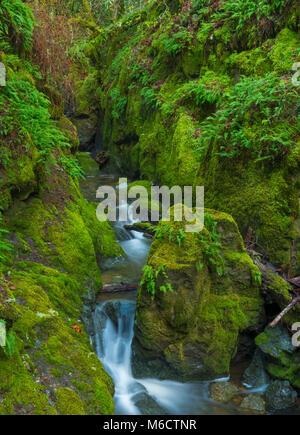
x: 196, y: 328
x: 69, y: 403
x: 282, y: 358
x: 283, y: 53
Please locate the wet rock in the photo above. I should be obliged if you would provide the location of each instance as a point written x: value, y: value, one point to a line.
x: 222, y: 391
x: 253, y: 403
x: 282, y: 359
x: 274, y: 341
x: 255, y: 375
x: 280, y: 395
x: 145, y: 403
x: 102, y: 158
x: 87, y: 128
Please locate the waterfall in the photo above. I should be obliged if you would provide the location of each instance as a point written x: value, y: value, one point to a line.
x: 113, y: 345
x: 114, y: 326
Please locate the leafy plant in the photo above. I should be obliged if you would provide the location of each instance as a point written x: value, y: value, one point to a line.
x: 72, y: 166
x: 27, y: 112
x: 5, y: 246
x: 10, y: 342
x: 241, y: 11
x: 15, y: 15
x: 211, y: 247
x: 234, y: 128
x: 166, y: 230
x: 119, y: 103
x: 149, y: 279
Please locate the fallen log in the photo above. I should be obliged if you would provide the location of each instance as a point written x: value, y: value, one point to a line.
x: 122, y: 287
x: 139, y: 229
x: 284, y: 312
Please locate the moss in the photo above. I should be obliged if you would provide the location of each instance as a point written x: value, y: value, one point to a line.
x: 70, y: 131
x: 283, y: 53
x: 282, y: 358
x: 69, y: 403
x: 196, y: 328
x: 158, y: 145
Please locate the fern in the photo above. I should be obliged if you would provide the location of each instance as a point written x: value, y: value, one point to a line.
x: 17, y: 15
x: 149, y: 280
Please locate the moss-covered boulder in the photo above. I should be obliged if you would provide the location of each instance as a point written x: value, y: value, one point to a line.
x: 282, y: 358
x: 196, y: 297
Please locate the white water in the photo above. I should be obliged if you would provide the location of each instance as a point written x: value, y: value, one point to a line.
x: 114, y: 329
x: 113, y: 346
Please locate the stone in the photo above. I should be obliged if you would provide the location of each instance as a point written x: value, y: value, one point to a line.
x: 253, y: 402
x: 222, y: 391
x: 282, y: 359
x: 87, y: 129
x: 194, y: 330
x: 280, y: 395
x: 255, y: 375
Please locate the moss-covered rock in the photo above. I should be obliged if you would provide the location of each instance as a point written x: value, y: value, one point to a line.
x: 282, y: 358
x: 192, y: 331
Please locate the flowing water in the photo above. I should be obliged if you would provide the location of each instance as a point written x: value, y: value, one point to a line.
x: 114, y: 328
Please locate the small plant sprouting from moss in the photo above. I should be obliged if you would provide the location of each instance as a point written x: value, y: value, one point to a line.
x: 170, y: 233
x: 10, y: 340
x: 149, y: 279
x: 211, y: 247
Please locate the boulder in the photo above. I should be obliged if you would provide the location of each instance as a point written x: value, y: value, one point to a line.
x: 280, y: 395
x: 87, y: 129
x: 192, y: 331
x: 282, y: 358
x: 253, y: 403
x: 255, y: 375
x: 222, y: 391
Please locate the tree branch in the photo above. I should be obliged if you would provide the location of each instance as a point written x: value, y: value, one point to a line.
x: 284, y: 312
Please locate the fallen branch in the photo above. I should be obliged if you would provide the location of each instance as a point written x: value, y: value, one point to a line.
x: 116, y: 288
x: 284, y: 312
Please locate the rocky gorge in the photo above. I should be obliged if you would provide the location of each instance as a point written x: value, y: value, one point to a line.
x: 185, y: 93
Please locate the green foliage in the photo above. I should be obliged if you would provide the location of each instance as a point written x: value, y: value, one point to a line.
x: 119, y: 103
x: 239, y: 12
x: 27, y: 113
x: 211, y: 247
x: 16, y: 18
x: 150, y: 98
x: 167, y: 231
x: 72, y: 166
x: 149, y: 279
x: 9, y: 347
x: 5, y: 246
x: 174, y: 42
x: 234, y: 128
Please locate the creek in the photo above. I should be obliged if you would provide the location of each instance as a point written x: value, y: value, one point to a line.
x: 113, y: 321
